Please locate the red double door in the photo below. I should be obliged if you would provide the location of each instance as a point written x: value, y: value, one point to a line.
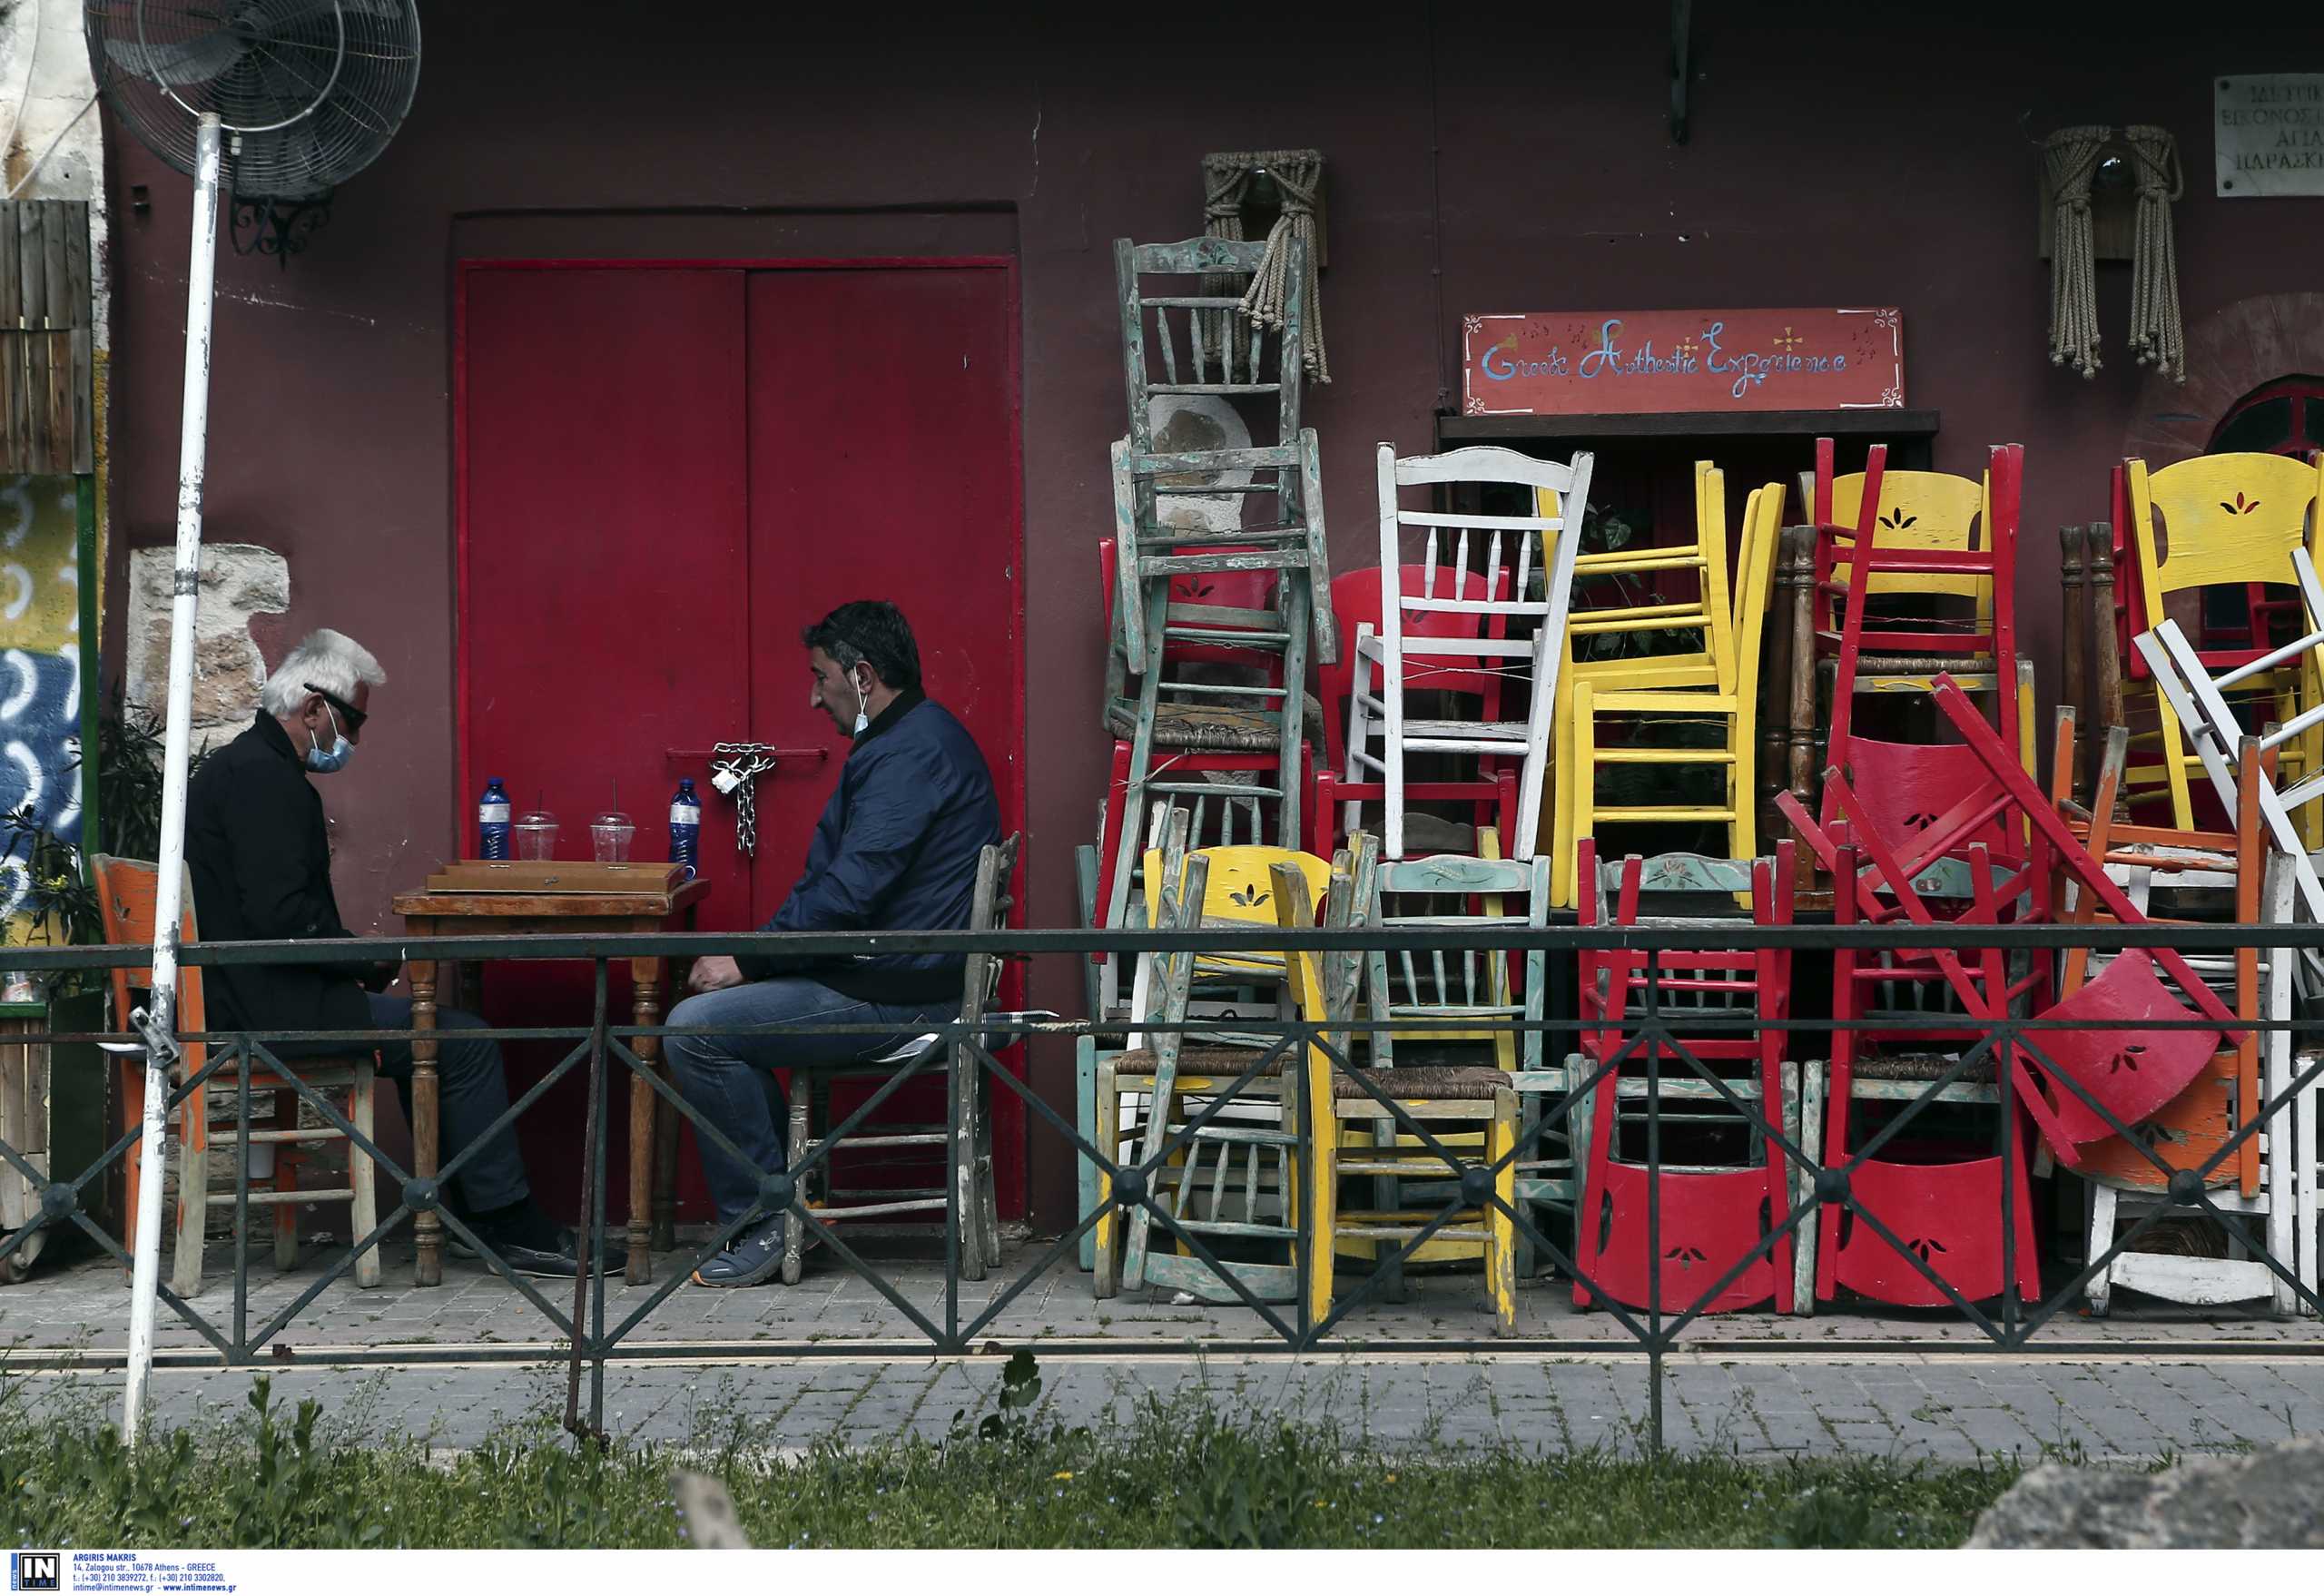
x: 666, y: 473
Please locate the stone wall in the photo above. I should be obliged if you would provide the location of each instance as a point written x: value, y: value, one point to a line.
x: 239, y: 581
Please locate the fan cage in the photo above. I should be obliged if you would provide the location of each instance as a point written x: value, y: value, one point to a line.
x: 309, y: 91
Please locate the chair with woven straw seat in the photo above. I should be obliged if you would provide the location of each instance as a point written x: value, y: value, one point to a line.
x: 1393, y: 1123
x: 127, y: 894
x: 1215, y: 1123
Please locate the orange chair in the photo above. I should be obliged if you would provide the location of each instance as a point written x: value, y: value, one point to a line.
x: 126, y: 893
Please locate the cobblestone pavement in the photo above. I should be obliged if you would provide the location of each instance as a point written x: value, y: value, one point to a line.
x: 2139, y: 1382
x: 1758, y: 1405
x: 85, y: 1305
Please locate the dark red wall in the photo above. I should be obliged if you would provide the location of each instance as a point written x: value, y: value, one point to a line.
x: 1481, y: 157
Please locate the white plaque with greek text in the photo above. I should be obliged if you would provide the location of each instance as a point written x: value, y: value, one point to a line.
x: 2271, y: 135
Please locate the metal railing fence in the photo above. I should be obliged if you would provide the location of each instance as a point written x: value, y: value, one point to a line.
x: 1654, y: 1043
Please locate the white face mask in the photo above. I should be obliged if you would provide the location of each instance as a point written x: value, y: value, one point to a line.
x: 863, y: 718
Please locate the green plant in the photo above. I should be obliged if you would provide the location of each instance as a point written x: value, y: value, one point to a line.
x: 59, y: 898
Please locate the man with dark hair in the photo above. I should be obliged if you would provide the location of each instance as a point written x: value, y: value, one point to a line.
x: 896, y: 850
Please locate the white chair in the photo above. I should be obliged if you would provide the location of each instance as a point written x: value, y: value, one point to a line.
x: 1539, y: 545
x: 2267, y: 1181
x: 2199, y: 700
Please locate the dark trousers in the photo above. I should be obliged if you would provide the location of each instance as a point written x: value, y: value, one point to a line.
x: 471, y: 1092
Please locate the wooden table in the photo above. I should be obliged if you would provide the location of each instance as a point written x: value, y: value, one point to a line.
x: 525, y: 898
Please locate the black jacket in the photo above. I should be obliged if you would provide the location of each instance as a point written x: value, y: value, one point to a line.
x: 261, y: 859
x: 896, y: 850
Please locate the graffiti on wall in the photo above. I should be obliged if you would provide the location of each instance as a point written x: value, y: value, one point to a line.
x: 39, y: 669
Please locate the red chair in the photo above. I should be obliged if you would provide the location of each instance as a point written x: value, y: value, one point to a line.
x: 1923, y: 1224
x: 1719, y: 1213
x: 1935, y: 549
x: 1355, y: 603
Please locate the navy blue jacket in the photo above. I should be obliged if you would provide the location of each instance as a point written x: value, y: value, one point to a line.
x: 896, y: 850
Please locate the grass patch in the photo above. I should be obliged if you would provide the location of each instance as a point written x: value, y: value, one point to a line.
x: 1178, y: 1473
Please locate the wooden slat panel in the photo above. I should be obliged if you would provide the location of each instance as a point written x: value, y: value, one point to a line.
x: 56, y: 228
x: 32, y: 398
x: 47, y: 357
x: 32, y: 266
x: 14, y: 423
x: 56, y: 408
x: 85, y: 416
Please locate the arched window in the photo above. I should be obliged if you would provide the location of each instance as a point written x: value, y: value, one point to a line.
x: 2285, y: 416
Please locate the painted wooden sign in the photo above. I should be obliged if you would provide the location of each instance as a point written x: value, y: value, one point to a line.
x: 2270, y: 136
x: 1617, y: 362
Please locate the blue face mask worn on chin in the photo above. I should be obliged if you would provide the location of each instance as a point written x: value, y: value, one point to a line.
x: 340, y: 750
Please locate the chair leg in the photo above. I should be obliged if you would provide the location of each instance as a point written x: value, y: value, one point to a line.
x: 968, y: 1204
x: 2100, y: 1288
x: 193, y: 1191
x: 988, y: 1191
x: 1106, y: 1119
x: 1582, y: 795
x: 1537, y: 750
x: 1565, y: 770
x: 363, y: 1176
x: 1085, y: 1119
x: 285, y: 1181
x: 1323, y: 1197
x: 1392, y: 755
x: 1359, y: 729
x: 1815, y: 1077
x: 131, y: 1074
x: 794, y: 1242
x: 1500, y: 1235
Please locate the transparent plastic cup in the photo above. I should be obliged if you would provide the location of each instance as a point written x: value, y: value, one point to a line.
x: 536, y: 835
x: 610, y: 835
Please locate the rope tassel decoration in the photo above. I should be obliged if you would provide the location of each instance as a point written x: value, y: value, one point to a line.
x: 2157, y: 338
x: 1298, y: 177
x: 2071, y: 155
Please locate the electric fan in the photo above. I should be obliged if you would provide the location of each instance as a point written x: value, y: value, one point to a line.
x: 291, y: 97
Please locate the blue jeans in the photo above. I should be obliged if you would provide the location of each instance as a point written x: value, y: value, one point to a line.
x: 730, y: 1080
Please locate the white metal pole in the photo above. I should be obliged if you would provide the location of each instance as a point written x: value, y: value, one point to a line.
x: 160, y: 1019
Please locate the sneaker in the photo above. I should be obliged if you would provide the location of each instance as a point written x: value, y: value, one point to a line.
x: 751, y: 1259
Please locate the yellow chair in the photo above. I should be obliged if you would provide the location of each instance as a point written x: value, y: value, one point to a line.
x: 1732, y: 698
x: 2219, y: 519
x: 1236, y: 1180
x: 1709, y: 613
x: 1452, y: 1102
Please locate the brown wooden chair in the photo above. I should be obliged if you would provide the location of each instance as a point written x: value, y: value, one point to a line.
x: 126, y: 893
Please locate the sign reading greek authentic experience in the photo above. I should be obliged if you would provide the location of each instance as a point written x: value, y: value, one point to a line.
x: 1617, y: 362
x: 2271, y: 135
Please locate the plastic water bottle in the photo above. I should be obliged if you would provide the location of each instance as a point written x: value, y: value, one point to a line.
x: 685, y: 828
x: 492, y: 821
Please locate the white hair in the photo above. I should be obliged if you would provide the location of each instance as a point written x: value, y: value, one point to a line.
x: 327, y: 660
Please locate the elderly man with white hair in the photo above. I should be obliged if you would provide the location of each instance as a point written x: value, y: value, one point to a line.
x: 261, y: 859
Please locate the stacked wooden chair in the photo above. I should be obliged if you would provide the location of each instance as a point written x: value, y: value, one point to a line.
x: 1415, y: 637
x: 2210, y: 545
x: 1489, y: 795
x: 1212, y: 628
x: 1395, y: 1129
x: 2256, y: 1179
x: 1925, y: 1226
x: 1214, y: 1112
x: 1684, y: 1116
x: 1715, y: 684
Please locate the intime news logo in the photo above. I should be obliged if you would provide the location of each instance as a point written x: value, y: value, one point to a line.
x: 35, y: 1571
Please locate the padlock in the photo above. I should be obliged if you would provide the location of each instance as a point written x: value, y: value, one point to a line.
x: 725, y: 781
